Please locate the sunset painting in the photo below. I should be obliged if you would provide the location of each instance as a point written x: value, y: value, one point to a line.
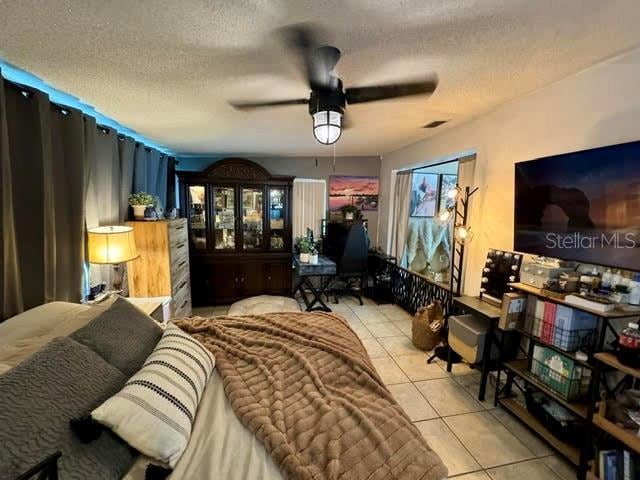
x: 353, y: 190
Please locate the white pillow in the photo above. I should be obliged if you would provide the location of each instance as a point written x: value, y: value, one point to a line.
x: 155, y: 410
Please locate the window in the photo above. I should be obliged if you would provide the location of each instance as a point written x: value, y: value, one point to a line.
x: 428, y: 242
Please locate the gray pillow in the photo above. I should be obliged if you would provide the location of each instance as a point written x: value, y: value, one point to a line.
x: 123, y: 335
x: 39, y: 397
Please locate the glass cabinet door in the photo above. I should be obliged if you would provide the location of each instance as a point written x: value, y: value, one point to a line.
x: 198, y: 216
x: 224, y: 223
x: 252, y: 218
x: 277, y: 213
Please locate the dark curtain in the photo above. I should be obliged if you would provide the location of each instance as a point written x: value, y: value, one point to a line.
x: 66, y: 184
x: 171, y: 183
x: 11, y: 301
x: 60, y: 173
x: 141, y: 161
x: 44, y: 171
x: 126, y: 153
x: 26, y: 155
x: 150, y: 172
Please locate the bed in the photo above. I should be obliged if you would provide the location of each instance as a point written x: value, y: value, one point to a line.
x: 230, y: 445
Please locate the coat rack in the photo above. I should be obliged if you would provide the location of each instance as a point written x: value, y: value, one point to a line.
x: 462, y: 235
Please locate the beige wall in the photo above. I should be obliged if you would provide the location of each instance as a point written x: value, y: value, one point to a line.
x: 305, y: 167
x: 599, y: 106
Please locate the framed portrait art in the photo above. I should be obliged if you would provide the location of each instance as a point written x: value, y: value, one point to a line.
x: 447, y: 183
x: 424, y: 195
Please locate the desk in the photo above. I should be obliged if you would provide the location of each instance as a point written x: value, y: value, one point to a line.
x: 478, y: 308
x: 325, y: 269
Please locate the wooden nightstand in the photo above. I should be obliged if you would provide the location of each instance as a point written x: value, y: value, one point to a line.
x: 158, y: 308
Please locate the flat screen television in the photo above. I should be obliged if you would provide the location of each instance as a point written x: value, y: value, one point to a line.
x: 582, y: 206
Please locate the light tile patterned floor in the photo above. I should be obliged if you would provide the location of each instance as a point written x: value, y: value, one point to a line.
x: 475, y: 440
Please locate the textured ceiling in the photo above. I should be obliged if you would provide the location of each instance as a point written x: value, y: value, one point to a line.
x: 166, y: 68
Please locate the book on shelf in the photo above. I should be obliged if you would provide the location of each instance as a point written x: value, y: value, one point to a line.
x: 548, y: 324
x: 618, y: 465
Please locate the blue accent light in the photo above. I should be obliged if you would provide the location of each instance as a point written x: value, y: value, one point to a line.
x: 17, y: 75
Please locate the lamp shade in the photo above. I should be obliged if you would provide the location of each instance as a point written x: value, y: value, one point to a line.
x: 114, y: 244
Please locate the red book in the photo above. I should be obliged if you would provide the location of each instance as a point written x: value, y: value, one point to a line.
x: 548, y: 322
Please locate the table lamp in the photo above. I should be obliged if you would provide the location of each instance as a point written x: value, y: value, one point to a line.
x: 112, y: 245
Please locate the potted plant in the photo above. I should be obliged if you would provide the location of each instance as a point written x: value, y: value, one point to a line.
x: 139, y: 202
x: 305, y: 246
x: 350, y: 212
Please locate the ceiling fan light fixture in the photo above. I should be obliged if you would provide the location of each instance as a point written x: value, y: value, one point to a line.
x: 327, y: 126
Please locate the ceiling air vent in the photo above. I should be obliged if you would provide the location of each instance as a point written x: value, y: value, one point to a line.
x: 435, y: 124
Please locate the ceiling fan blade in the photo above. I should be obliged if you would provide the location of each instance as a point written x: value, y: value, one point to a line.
x: 274, y: 103
x: 347, y: 121
x: 318, y: 61
x: 383, y: 92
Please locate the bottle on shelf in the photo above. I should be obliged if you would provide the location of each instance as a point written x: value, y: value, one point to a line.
x: 605, y: 284
x: 634, y: 287
x: 629, y: 346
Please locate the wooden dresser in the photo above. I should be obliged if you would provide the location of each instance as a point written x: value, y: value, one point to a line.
x: 163, y: 266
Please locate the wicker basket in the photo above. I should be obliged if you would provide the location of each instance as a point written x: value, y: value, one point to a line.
x: 426, y: 327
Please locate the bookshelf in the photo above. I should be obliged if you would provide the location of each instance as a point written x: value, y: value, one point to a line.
x: 627, y: 437
x: 610, y: 359
x: 586, y: 410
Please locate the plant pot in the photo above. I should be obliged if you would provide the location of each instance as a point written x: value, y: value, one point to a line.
x: 348, y: 216
x: 138, y: 211
x: 313, y: 259
x: 304, y: 258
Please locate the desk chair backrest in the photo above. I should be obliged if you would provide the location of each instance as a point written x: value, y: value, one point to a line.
x: 356, y: 252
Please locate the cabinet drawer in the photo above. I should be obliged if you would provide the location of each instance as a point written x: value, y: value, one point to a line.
x: 181, y: 303
x: 178, y: 233
x: 179, y: 252
x: 179, y: 269
x: 179, y: 285
x: 182, y: 308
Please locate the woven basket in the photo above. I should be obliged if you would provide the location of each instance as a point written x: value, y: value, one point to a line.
x: 426, y: 327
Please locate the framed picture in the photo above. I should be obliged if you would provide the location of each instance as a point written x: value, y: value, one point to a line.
x: 424, y: 195
x: 361, y: 191
x: 447, y: 182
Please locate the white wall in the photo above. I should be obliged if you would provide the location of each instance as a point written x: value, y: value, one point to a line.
x: 599, y: 106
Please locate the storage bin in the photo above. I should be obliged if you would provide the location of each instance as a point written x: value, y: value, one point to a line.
x: 573, y: 329
x: 537, y: 275
x: 560, y: 421
x: 467, y: 336
x: 560, y: 373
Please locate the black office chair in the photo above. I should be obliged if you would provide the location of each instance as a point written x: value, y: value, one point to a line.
x: 351, y: 276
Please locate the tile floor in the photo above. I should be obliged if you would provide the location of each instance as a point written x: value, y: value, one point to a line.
x: 475, y: 440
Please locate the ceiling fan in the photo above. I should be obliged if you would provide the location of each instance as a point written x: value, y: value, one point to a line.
x: 328, y: 99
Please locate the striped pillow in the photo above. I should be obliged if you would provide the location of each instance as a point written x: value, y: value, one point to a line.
x: 155, y: 410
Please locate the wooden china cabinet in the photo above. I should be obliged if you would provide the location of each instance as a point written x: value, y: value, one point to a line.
x: 239, y: 218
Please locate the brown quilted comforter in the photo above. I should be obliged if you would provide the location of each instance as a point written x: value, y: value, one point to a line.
x: 304, y: 385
